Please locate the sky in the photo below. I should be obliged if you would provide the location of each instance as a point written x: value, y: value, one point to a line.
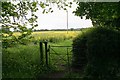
x: 58, y: 19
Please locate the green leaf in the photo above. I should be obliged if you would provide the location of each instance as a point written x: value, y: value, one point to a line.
x: 42, y: 5
x: 34, y: 4
x: 43, y: 11
x: 65, y: 9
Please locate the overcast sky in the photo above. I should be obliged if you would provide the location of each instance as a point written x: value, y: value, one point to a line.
x: 58, y: 19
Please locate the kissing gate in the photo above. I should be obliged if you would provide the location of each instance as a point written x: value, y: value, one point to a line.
x: 59, y: 56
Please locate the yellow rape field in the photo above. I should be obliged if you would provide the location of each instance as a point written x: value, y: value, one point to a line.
x: 55, y: 34
x: 52, y: 36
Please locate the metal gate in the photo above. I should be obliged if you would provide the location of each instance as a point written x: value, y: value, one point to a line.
x: 60, y: 56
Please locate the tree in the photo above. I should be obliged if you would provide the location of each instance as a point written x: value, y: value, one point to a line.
x: 101, y: 13
x: 14, y: 16
x: 17, y: 15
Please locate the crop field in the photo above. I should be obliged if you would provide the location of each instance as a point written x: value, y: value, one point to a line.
x: 48, y: 34
x: 23, y: 61
x: 52, y: 36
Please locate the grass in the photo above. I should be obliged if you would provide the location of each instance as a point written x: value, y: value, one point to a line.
x: 20, y: 60
x: 23, y: 61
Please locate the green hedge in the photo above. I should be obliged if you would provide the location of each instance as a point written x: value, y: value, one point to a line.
x: 79, y: 51
x: 97, y: 50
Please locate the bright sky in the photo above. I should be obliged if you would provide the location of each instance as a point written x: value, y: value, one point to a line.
x: 58, y: 19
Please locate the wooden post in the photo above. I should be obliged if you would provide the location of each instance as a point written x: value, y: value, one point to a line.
x: 41, y: 53
x: 46, y: 55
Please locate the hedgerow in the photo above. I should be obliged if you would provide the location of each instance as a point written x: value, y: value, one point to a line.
x: 97, y: 52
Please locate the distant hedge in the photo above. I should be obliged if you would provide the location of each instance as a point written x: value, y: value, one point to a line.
x: 97, y: 51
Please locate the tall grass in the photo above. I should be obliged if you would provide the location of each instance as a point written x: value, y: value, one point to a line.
x: 22, y: 62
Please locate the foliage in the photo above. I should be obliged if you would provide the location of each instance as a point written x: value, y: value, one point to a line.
x: 102, y: 53
x: 15, y: 16
x: 79, y: 50
x: 101, y: 13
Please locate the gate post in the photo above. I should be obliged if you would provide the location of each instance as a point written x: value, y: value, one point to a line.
x: 49, y: 53
x: 41, y: 53
x: 46, y: 55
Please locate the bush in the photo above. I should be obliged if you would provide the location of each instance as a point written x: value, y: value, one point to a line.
x: 79, y: 51
x: 98, y: 50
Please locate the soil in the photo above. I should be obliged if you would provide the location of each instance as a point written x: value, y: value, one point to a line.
x: 60, y: 74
